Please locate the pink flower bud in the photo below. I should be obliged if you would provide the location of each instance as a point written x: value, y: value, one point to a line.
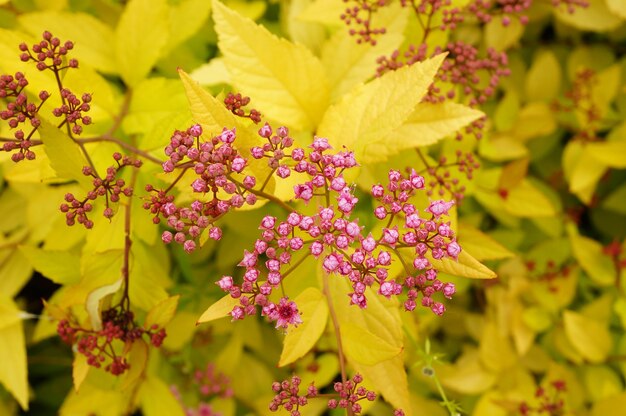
x: 454, y: 249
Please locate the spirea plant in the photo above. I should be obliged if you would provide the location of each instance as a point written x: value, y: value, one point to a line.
x: 312, y: 207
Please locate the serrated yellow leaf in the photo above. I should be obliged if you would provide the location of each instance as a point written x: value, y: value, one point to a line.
x: 140, y: 36
x: 543, y: 80
x: 595, y: 17
x: 80, y: 369
x: 526, y: 201
x: 502, y: 37
x: 286, y: 82
x: 219, y: 309
x: 591, y: 258
x: 429, y: 123
x: 481, y: 245
x: 64, y: 154
x: 299, y: 340
x: 157, y: 399
x: 162, y: 313
x: 62, y: 267
x: 92, y: 305
x: 589, y: 337
x: 13, y: 371
x: 363, y: 347
x: 363, y: 119
x: 465, y: 266
x: 349, y: 64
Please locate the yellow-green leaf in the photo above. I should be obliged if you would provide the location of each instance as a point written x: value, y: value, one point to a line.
x: 465, y: 266
x: 589, y: 337
x: 363, y: 119
x: 157, y: 399
x: 608, y: 405
x: 502, y: 37
x: 429, y: 123
x: 93, y: 302
x: 501, y: 148
x: 140, y: 36
x: 138, y: 356
x: 219, y: 309
x: 591, y: 258
x: 513, y: 173
x: 618, y: 7
x: 186, y: 18
x: 80, y: 369
x: 13, y: 371
x: 362, y: 346
x: 611, y: 154
x: 162, y: 313
x: 481, y: 245
x: 64, y: 154
x: 535, y: 119
x: 299, y: 340
x: 595, y: 17
x: 601, y: 382
x: 62, y: 267
x: 527, y: 201
x: 286, y: 82
x: 543, y: 80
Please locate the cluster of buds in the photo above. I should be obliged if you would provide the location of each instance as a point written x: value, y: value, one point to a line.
x: 443, y: 182
x: 550, y: 273
x: 359, y: 13
x: 485, y: 10
x: 549, y: 404
x: 274, y: 149
x: 236, y: 102
x: 17, y: 111
x: 214, y: 162
x: 110, y: 187
x: 450, y: 14
x: 49, y: 53
x: 350, y: 393
x: 98, y: 345
x: 210, y: 384
x: 72, y: 110
x: 288, y: 396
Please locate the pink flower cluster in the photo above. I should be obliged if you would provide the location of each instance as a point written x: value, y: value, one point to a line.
x: 274, y: 149
x: 210, y: 383
x: 360, y: 15
x: 49, y: 53
x: 72, y: 110
x: 350, y: 393
x: 288, y: 396
x: 214, y: 162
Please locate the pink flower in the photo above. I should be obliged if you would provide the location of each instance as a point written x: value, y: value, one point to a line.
x: 249, y: 259
x: 391, y: 235
x: 380, y: 212
x: 438, y: 308
x: 303, y: 191
x: 454, y: 249
x: 331, y: 262
x: 283, y: 171
x: 257, y: 152
x: 420, y: 263
x: 225, y: 283
x: 195, y: 130
x: 268, y: 222
x: 439, y: 207
x: 167, y: 237
x: 265, y: 131
x: 168, y: 166
x: 320, y: 144
x: 285, y: 313
x: 238, y: 164
x: 199, y: 185
x: 368, y: 243
x: 228, y: 136
x: 448, y: 290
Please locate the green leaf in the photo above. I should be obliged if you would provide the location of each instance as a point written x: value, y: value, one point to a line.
x: 543, y: 80
x: 429, y: 123
x: 591, y: 258
x: 286, y: 82
x: 140, y: 36
x: 614, y: 201
x: 157, y: 399
x: 601, y: 382
x: 363, y: 119
x: 162, y: 313
x: 589, y: 337
x: 62, y: 267
x: 91, y: 36
x: 507, y: 111
x: 299, y: 340
x: 219, y: 309
x: 13, y: 371
x: 64, y: 154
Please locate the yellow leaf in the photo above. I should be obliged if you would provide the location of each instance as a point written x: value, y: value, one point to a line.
x: 589, y: 337
x: 502, y: 148
x: 9, y: 313
x: 349, y: 64
x: 157, y: 399
x: 91, y: 37
x: 13, y: 371
x: 326, y: 12
x: 465, y: 266
x: 591, y: 258
x: 93, y: 303
x: 362, y: 120
x: 219, y: 309
x: 138, y: 357
x: 609, y: 405
x: 502, y: 37
x: 481, y: 245
x: 140, y: 36
x: 285, y: 81
x: 429, y: 123
x: 162, y: 313
x: 212, y: 73
x: 611, y: 154
x: 496, y: 352
x: 186, y: 18
x: 543, y: 80
x: 490, y: 403
x: 513, y: 173
x: 62, y: 267
x: 526, y: 201
x: 595, y: 17
x: 180, y: 330
x: 299, y: 340
x: 507, y: 111
x: 80, y: 368
x: 602, y: 382
x: 467, y: 376
x: 65, y: 155
x: 535, y: 119
x: 618, y: 7
x: 363, y: 347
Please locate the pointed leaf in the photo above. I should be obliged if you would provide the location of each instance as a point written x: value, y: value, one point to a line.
x: 219, y: 309
x: 465, y: 266
x: 62, y: 267
x: 162, y: 313
x: 80, y: 369
x: 285, y: 81
x: 591, y: 258
x: 140, y: 36
x: 526, y: 201
x: 362, y: 120
x: 589, y: 337
x: 93, y: 302
x: 13, y: 371
x: 543, y: 81
x: 299, y: 340
x: 609, y: 153
x: 364, y: 347
x: 157, y: 399
x: 481, y: 245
